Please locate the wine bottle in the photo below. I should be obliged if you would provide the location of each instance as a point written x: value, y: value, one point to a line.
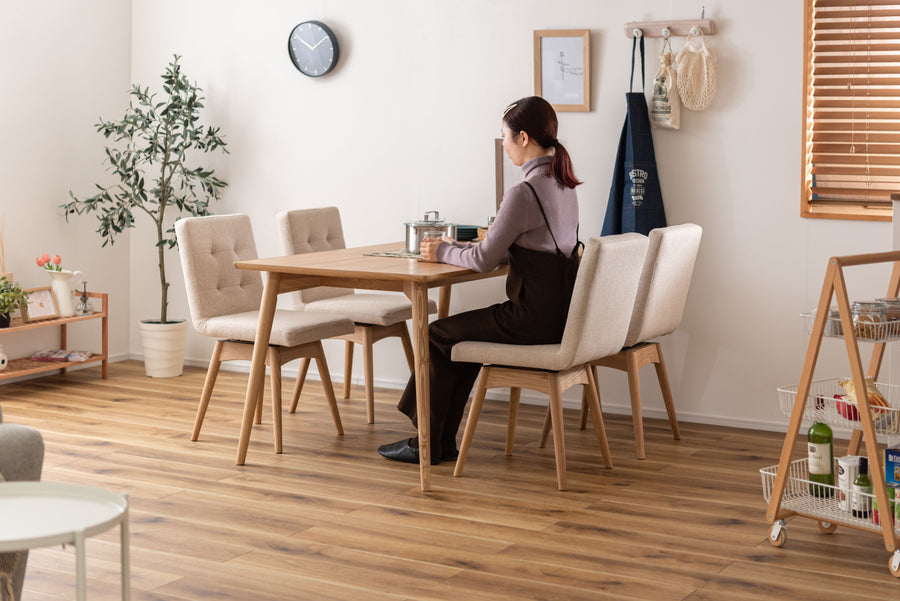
x: 861, y: 506
x: 821, y: 459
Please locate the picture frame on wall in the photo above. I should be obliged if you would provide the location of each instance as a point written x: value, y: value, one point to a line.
x: 562, y: 68
x: 40, y: 305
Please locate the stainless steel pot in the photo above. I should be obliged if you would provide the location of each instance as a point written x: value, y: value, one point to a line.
x: 415, y: 230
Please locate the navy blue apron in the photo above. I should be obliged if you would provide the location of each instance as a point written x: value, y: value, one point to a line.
x: 635, y: 199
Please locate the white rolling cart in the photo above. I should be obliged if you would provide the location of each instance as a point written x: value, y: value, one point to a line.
x: 786, y: 485
x: 40, y: 514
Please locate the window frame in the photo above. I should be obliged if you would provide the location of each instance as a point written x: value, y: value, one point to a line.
x: 847, y: 209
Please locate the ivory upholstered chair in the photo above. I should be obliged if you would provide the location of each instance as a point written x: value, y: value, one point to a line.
x: 224, y: 303
x: 21, y: 459
x: 658, y: 309
x: 597, y: 323
x: 375, y: 316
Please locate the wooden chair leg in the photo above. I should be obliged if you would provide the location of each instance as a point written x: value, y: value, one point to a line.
x: 582, y: 420
x: 407, y: 348
x: 634, y: 387
x: 559, y: 443
x: 472, y: 421
x: 545, y: 429
x: 593, y: 393
x: 259, y: 402
x: 348, y: 367
x: 514, y: 395
x: 663, y: 377
x: 329, y: 389
x: 211, y: 374
x: 369, y: 369
x: 298, y: 385
x: 275, y: 368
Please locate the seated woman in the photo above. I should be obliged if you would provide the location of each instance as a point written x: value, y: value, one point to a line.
x: 536, y: 220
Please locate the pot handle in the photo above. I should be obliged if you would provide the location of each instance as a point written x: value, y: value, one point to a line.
x: 437, y: 216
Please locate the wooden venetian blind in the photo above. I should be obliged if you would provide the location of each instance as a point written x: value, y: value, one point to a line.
x: 852, y: 108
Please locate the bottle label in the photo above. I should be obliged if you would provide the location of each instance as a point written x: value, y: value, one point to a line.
x: 861, y: 504
x: 820, y: 459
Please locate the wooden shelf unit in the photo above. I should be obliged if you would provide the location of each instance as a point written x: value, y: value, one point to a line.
x: 25, y: 366
x: 835, y: 287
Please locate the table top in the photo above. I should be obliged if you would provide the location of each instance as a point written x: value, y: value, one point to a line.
x: 355, y: 263
x: 38, y: 514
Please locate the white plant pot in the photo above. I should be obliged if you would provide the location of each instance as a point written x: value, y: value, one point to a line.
x: 164, y: 345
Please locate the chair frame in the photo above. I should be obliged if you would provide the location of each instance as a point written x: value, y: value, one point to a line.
x: 234, y: 350
x: 551, y: 383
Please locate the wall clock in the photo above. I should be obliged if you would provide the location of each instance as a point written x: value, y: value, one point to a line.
x: 313, y: 48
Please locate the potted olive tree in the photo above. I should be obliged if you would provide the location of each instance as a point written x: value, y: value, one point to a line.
x: 150, y: 158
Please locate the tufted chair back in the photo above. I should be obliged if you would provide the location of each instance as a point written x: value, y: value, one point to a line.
x: 310, y: 230
x: 209, y: 246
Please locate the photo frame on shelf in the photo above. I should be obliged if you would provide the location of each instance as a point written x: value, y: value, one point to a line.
x: 41, y: 305
x: 562, y: 68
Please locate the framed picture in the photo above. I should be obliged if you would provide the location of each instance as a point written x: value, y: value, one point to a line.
x: 40, y: 305
x: 562, y: 68
x: 506, y: 174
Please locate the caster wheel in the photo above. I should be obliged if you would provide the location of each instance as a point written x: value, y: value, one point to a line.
x: 827, y: 527
x: 778, y: 535
x: 894, y: 564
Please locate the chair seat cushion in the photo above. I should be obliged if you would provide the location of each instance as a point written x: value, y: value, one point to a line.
x: 290, y: 328
x: 377, y: 309
x: 536, y: 356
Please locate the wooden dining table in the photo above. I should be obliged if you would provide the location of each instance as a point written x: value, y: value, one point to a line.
x: 356, y: 268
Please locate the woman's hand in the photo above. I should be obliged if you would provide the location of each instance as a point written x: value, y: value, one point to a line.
x: 428, y: 248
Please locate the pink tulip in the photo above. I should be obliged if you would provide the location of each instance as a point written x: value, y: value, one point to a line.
x: 57, y: 260
x: 40, y: 262
x: 45, y: 258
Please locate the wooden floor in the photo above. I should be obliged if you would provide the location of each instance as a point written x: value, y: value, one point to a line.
x: 331, y: 520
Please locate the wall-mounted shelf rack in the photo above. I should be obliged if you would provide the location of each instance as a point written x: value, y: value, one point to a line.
x: 657, y: 29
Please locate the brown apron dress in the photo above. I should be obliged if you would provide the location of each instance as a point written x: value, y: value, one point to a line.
x: 539, y: 287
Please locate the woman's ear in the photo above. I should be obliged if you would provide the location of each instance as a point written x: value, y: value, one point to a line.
x: 523, y: 140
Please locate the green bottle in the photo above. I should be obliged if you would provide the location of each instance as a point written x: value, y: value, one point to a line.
x: 861, y: 505
x: 821, y: 459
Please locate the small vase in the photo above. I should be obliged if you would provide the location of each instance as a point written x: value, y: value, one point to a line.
x: 63, y: 289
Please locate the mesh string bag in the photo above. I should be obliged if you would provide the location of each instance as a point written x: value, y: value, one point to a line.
x: 696, y: 66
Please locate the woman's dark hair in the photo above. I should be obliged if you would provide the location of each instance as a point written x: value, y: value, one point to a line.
x: 535, y: 116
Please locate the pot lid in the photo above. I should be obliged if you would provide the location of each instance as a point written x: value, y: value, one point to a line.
x: 436, y: 220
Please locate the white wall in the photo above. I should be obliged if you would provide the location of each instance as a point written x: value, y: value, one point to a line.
x: 406, y: 123
x: 64, y: 65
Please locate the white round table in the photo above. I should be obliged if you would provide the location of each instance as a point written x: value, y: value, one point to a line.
x: 40, y: 514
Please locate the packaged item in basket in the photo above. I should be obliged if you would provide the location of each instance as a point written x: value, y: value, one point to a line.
x: 876, y: 400
x: 892, y: 466
x: 848, y: 468
x: 79, y: 355
x: 50, y: 355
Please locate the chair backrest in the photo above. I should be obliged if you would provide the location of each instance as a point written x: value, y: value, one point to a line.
x: 603, y: 297
x: 208, y: 247
x: 665, y: 280
x: 310, y: 230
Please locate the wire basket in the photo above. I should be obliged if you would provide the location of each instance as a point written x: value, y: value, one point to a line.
x: 827, y: 507
x: 822, y: 406
x: 869, y: 332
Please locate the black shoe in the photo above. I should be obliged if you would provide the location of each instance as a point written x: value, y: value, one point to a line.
x: 403, y: 451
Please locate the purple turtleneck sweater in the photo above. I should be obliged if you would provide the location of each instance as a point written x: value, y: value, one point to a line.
x: 519, y: 221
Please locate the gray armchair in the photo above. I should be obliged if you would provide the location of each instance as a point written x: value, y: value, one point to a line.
x: 21, y: 458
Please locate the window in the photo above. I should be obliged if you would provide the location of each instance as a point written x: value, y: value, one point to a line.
x: 851, y: 142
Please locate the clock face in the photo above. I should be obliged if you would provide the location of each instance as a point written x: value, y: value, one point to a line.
x: 313, y: 48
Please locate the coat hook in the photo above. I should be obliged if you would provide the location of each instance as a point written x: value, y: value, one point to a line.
x: 695, y: 31
x: 666, y: 32
x: 637, y: 33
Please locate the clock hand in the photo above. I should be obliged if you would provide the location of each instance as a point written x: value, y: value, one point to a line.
x: 317, y: 43
x: 305, y: 43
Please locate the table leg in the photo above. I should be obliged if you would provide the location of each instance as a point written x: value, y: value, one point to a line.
x: 258, y: 362
x: 80, y: 567
x: 444, y: 302
x: 418, y: 294
x: 126, y: 559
